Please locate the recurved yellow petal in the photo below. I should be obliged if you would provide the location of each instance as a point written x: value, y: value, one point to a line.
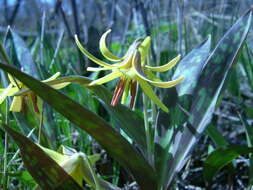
x: 16, y: 104
x: 167, y: 84
x: 105, y: 51
x: 144, y: 49
x: 56, y: 156
x: 106, y: 78
x: 95, y: 69
x: 151, y: 94
x: 5, y: 93
x: 139, y: 72
x: 60, y: 85
x: 14, y: 82
x: 90, y: 56
x: 165, y: 67
x: 73, y: 166
x: 53, y: 77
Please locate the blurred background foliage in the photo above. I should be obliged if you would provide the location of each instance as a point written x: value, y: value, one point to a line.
x: 43, y: 35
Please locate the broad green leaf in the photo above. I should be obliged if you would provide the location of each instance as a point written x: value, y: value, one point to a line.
x: 46, y: 172
x: 209, y: 88
x: 189, y: 67
x: 221, y: 157
x: 116, y: 145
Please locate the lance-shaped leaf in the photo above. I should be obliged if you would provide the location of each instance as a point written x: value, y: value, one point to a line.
x: 46, y: 172
x: 221, y: 157
x: 189, y: 67
x: 209, y: 87
x: 124, y: 118
x: 115, y: 144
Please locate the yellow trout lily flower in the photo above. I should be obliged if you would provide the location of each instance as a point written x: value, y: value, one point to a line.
x: 131, y: 69
x: 16, y: 86
x: 76, y: 164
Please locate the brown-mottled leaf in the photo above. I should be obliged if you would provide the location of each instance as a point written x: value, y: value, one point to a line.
x: 115, y: 144
x: 209, y: 88
x: 125, y: 119
x: 189, y: 67
x: 46, y: 172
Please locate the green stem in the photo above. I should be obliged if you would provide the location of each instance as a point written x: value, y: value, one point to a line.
x: 5, y: 176
x: 147, y: 129
x: 154, y: 115
x: 41, y: 123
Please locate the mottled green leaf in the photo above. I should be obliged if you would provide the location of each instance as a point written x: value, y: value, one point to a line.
x: 189, y: 67
x: 116, y: 145
x: 126, y: 119
x: 46, y: 172
x: 221, y: 157
x: 209, y: 88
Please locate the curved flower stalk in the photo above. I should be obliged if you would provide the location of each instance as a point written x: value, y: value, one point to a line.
x: 131, y: 69
x: 16, y: 86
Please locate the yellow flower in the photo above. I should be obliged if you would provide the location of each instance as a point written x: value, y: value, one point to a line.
x: 76, y: 164
x: 16, y: 86
x: 131, y: 69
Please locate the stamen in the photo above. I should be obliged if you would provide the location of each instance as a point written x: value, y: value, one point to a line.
x: 133, y: 92
x: 35, y: 102
x: 118, y: 92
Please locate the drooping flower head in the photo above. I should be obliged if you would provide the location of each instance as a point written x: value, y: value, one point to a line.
x: 19, y: 101
x: 131, y: 69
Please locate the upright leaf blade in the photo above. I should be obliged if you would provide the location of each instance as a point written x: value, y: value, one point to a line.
x: 116, y: 145
x: 47, y: 173
x: 189, y: 67
x: 209, y: 87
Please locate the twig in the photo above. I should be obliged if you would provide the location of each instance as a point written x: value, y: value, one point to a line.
x: 57, y: 48
x: 14, y: 13
x: 77, y: 31
x: 65, y: 21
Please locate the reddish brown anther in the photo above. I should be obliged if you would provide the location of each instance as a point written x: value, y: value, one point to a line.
x: 133, y: 92
x: 35, y: 102
x: 118, y: 92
